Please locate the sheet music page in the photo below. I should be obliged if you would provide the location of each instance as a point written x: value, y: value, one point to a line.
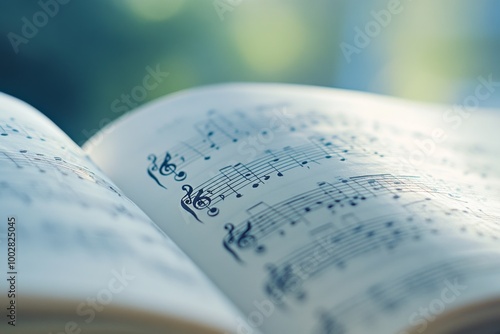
x: 68, y: 233
x: 318, y: 210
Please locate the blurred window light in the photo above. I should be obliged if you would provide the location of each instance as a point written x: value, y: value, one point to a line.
x: 274, y: 43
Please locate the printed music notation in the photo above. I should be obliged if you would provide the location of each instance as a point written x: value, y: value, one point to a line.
x: 165, y: 168
x: 396, y: 293
x: 30, y: 176
x: 43, y: 164
x: 349, y: 237
x: 231, y: 180
x: 328, y: 324
x: 64, y: 193
x: 335, y: 244
x: 219, y: 130
x: 153, y: 251
x: 12, y: 127
x: 265, y: 220
x: 197, y: 201
x: 468, y: 218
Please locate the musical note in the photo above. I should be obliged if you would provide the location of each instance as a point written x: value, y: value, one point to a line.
x: 275, y: 159
x: 248, y: 174
x: 278, y: 172
x: 231, y: 179
x: 270, y: 220
x: 336, y: 244
x: 397, y: 291
x: 3, y: 132
x: 238, y: 194
x: 11, y: 126
x: 55, y: 168
x: 293, y: 154
x: 328, y: 148
x: 33, y: 163
x: 211, y: 128
x: 218, y: 131
x: 266, y: 218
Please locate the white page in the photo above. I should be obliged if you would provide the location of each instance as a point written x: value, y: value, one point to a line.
x: 318, y: 210
x: 78, y: 238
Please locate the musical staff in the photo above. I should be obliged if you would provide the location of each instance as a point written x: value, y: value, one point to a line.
x: 314, y: 206
x: 400, y: 292
x: 12, y: 127
x: 336, y: 245
x: 335, y: 197
x: 25, y: 175
x: 41, y: 163
x: 73, y: 218
x: 65, y: 195
x: 219, y: 130
x: 231, y: 180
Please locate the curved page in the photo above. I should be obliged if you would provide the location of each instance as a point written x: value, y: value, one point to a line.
x: 70, y: 237
x: 317, y: 210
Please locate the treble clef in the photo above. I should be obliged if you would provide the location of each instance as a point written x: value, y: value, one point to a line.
x: 166, y: 168
x: 153, y: 167
x: 242, y: 241
x: 199, y: 202
x: 283, y: 281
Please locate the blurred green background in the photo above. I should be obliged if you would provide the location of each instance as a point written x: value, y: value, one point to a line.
x: 84, y: 54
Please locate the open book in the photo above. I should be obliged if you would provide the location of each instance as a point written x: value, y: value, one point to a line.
x: 253, y: 208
